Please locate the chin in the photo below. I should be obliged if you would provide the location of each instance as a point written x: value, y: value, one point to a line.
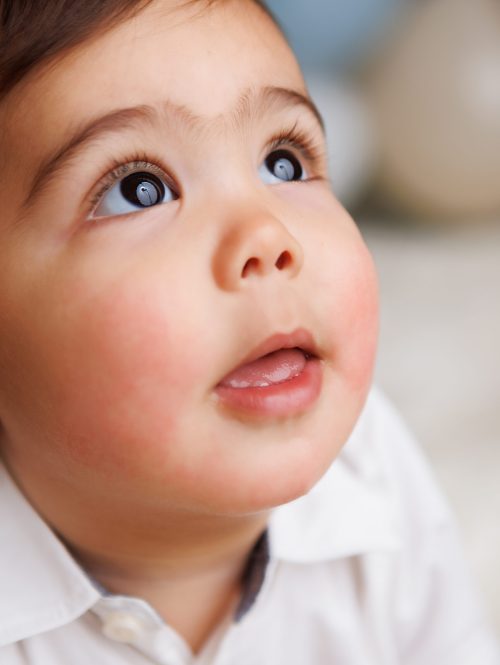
x: 279, y: 484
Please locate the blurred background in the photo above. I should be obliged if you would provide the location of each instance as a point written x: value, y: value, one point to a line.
x: 410, y: 94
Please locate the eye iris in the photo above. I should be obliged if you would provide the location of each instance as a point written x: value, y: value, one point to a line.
x: 284, y: 166
x: 143, y: 189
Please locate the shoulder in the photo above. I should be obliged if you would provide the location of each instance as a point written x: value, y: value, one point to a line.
x: 429, y: 593
x: 379, y: 517
x: 382, y: 435
x: 376, y: 494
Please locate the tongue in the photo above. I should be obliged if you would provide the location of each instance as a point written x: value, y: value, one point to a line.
x: 274, y: 368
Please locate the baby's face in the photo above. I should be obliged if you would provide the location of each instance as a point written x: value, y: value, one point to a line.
x: 120, y: 319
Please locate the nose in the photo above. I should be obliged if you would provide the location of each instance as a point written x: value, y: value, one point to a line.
x: 256, y: 248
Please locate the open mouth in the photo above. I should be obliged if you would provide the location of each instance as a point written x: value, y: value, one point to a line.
x: 268, y: 370
x: 281, y: 377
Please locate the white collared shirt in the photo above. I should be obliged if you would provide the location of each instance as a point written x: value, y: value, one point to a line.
x: 363, y: 570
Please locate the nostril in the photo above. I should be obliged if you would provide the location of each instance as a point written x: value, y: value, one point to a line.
x: 250, y: 266
x: 254, y: 265
x: 284, y: 260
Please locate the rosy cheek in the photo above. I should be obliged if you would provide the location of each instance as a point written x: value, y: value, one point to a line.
x: 361, y: 329
x: 352, y: 312
x: 130, y: 375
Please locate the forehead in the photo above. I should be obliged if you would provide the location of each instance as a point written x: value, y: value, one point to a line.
x: 202, y: 60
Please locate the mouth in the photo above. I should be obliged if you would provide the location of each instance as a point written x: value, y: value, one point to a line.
x: 281, y: 377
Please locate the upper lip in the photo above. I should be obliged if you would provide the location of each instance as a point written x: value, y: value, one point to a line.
x: 300, y: 338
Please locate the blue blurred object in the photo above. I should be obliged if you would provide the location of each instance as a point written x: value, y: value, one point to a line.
x: 334, y: 33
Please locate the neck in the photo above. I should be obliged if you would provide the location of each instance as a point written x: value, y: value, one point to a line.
x: 191, y: 575
x: 188, y: 566
x: 182, y: 546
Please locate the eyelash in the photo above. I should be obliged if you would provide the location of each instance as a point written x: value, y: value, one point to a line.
x: 119, y: 168
x: 293, y: 137
x: 303, y: 142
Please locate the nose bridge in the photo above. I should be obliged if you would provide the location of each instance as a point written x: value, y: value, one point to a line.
x: 255, y: 244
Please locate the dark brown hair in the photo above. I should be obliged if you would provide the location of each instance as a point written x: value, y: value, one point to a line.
x: 35, y: 31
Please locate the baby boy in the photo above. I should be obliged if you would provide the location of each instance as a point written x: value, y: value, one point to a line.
x: 188, y: 323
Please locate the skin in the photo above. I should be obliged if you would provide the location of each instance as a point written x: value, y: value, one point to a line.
x: 114, y: 332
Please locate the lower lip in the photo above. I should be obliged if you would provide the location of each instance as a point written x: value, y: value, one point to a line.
x: 286, y: 399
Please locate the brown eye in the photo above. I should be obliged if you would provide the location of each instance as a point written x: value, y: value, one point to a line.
x: 133, y: 192
x: 142, y: 190
x: 284, y: 166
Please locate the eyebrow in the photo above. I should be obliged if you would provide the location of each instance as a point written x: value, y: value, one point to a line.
x: 249, y: 104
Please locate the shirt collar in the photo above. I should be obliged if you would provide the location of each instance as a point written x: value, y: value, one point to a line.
x: 350, y: 511
x: 41, y: 586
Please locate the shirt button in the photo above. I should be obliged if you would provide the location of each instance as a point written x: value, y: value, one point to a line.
x: 122, y: 627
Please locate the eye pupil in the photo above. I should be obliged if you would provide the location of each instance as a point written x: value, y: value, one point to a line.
x: 143, y: 189
x: 284, y: 165
x: 147, y: 194
x: 284, y: 169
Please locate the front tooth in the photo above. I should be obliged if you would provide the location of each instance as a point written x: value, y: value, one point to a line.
x: 239, y: 384
x: 247, y: 384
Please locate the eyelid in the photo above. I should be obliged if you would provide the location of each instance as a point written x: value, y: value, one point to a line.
x: 118, y: 169
x: 303, y: 141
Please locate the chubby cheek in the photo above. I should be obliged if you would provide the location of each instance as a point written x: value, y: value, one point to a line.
x: 358, y: 327
x: 342, y: 278
x: 346, y: 297
x: 127, y: 370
